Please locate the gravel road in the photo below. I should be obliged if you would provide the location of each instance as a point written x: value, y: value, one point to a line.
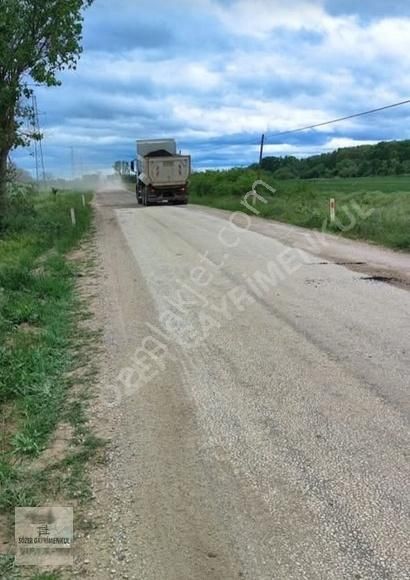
x: 256, y: 397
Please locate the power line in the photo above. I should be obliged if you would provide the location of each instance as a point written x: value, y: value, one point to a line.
x: 341, y: 119
x: 37, y: 128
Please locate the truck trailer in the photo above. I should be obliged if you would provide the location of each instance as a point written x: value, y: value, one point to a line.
x: 162, y: 174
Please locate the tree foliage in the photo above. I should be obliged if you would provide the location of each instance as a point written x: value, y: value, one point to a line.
x: 385, y: 158
x: 37, y: 40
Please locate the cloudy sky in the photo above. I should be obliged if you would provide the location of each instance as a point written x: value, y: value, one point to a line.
x: 215, y: 74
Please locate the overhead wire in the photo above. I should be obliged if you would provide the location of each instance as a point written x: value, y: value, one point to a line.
x: 339, y: 119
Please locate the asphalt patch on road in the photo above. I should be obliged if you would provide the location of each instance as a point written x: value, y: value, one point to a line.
x: 350, y: 263
x: 387, y: 279
x: 336, y: 263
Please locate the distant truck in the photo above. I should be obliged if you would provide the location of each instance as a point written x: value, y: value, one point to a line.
x: 162, y: 174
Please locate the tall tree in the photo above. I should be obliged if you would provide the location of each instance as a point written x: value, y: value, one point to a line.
x: 38, y: 38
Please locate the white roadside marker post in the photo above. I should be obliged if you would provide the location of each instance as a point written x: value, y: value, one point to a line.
x: 73, y: 220
x: 83, y: 200
x: 332, y: 210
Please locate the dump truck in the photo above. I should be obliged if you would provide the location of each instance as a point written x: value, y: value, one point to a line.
x: 162, y: 174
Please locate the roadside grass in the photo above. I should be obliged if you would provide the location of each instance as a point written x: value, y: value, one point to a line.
x: 9, y: 571
x: 42, y: 343
x: 373, y: 209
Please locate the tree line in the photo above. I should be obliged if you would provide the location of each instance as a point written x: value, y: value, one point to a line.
x: 385, y: 158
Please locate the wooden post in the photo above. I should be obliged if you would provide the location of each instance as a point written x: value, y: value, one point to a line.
x: 73, y: 220
x: 332, y: 206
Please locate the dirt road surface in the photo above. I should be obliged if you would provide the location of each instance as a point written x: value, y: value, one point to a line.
x: 255, y: 394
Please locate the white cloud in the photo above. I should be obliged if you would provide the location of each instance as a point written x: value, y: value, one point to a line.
x: 165, y: 72
x: 340, y: 142
x: 246, y: 116
x: 258, y: 18
x: 377, y: 41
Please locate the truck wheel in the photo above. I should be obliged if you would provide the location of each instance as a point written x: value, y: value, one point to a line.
x: 138, y: 195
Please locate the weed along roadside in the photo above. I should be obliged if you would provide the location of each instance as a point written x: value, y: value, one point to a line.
x: 44, y: 382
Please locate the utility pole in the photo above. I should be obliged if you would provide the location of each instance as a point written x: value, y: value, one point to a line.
x: 261, y: 154
x: 36, y: 162
x: 31, y: 128
x: 38, y: 144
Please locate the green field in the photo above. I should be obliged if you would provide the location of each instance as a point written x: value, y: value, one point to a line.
x: 376, y: 209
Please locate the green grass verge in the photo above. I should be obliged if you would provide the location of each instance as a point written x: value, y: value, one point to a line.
x: 41, y: 340
x: 9, y: 571
x: 374, y: 209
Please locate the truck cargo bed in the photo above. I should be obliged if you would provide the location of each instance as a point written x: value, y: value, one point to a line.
x: 166, y: 172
